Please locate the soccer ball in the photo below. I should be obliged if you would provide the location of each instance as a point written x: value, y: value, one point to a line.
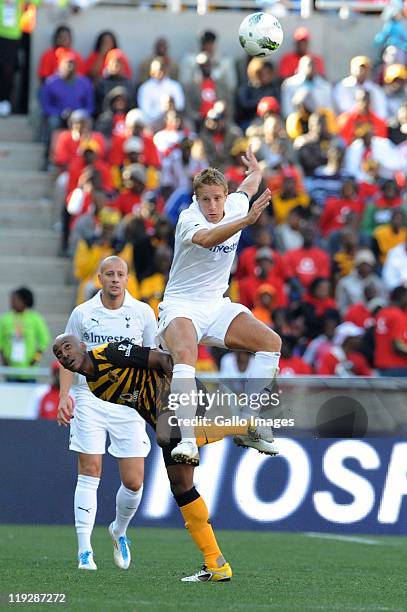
x: 260, y: 34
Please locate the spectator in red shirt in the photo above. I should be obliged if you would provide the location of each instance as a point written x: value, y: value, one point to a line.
x: 319, y: 297
x: 130, y: 198
x: 361, y: 114
x: 344, y: 359
x: 320, y: 345
x: 336, y: 208
x: 46, y: 401
x: 308, y: 262
x: 247, y: 261
x: 205, y: 89
x: 266, y: 272
x: 363, y: 313
x: 289, y: 62
x: 292, y: 365
x: 96, y: 61
x: 391, y: 335
x: 68, y: 142
x: 135, y: 124
x: 49, y: 62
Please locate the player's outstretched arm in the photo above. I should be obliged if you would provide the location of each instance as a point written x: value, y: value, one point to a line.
x: 251, y: 183
x: 217, y: 235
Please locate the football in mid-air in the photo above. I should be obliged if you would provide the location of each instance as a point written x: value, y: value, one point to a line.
x: 260, y: 34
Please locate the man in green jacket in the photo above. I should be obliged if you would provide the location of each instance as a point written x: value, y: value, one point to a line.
x: 24, y: 335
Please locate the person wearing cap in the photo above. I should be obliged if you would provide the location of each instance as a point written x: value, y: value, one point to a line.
x: 247, y: 259
x: 289, y: 62
x: 351, y: 288
x: 312, y: 147
x: 114, y: 79
x: 268, y: 106
x: 223, y: 66
x: 344, y: 359
x: 306, y: 78
x: 386, y: 237
x: 395, y: 88
x: 262, y: 82
x: 97, y: 60
x: 218, y: 136
x: 135, y: 125
x: 391, y: 335
x: 62, y: 93
x: 48, y: 64
x: 68, y: 142
x: 204, y: 90
x: 89, y: 157
x: 361, y: 114
x: 159, y: 87
x: 359, y: 78
x: 267, y: 271
x: 161, y: 50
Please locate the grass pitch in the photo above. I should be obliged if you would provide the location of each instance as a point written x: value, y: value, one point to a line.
x: 272, y: 571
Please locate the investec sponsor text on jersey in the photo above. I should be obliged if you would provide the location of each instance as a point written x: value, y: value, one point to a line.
x: 102, y: 339
x: 223, y: 248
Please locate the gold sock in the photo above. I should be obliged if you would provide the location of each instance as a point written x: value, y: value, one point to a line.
x: 206, y: 434
x: 196, y: 519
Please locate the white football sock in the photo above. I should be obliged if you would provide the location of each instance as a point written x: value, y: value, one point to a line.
x: 85, y: 505
x: 183, y: 381
x: 127, y: 502
x: 265, y: 369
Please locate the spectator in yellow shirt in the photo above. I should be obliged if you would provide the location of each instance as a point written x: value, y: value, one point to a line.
x: 386, y: 237
x: 288, y: 197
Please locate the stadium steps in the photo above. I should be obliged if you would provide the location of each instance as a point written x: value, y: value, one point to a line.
x: 35, y: 214
x: 20, y: 155
x: 28, y: 245
x: 41, y: 242
x: 20, y: 184
x: 16, y: 129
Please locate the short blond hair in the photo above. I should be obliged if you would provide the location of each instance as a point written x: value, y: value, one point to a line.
x: 209, y: 176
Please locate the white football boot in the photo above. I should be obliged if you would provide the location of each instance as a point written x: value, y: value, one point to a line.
x: 186, y: 451
x: 260, y: 438
x: 121, y: 550
x: 86, y: 561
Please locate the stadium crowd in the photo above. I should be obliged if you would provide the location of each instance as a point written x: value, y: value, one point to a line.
x: 326, y: 265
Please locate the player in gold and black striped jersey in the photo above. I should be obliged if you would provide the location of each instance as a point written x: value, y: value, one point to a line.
x: 120, y: 373
x: 124, y: 373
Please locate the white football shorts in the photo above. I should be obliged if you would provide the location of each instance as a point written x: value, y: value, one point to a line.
x: 95, y: 418
x: 210, y: 319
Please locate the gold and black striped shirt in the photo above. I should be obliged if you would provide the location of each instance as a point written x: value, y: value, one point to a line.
x: 122, y: 376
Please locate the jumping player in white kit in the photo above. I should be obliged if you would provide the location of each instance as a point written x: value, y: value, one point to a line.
x: 194, y: 309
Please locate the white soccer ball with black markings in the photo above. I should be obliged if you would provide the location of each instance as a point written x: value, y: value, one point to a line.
x: 260, y: 34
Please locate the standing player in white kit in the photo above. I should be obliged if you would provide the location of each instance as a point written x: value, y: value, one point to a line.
x: 194, y: 310
x: 111, y: 315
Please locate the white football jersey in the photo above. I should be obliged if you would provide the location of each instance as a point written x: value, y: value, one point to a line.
x: 198, y: 273
x: 95, y: 324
